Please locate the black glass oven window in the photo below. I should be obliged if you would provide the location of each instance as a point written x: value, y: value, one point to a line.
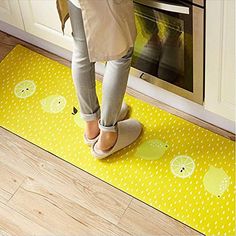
x: 163, y: 47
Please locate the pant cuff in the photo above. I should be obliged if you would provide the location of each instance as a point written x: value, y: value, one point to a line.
x: 112, y: 128
x: 92, y: 116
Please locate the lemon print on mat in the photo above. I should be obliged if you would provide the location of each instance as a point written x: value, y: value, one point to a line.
x: 25, y: 89
x: 182, y: 166
x: 216, y: 181
x: 53, y: 103
x: 77, y: 118
x: 151, y: 149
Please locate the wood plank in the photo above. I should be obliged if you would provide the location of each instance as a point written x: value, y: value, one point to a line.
x: 10, y: 180
x: 57, y: 213
x: 15, y: 153
x: 65, y: 179
x: 141, y: 219
x: 13, y: 223
x: 90, y: 193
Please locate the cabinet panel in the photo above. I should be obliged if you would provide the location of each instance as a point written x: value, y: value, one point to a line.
x: 41, y: 19
x: 228, y: 55
x: 10, y: 13
x: 220, y: 78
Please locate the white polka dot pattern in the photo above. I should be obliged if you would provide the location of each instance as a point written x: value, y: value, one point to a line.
x: 197, y: 190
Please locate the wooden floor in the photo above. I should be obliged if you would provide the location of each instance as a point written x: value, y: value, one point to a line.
x: 41, y: 194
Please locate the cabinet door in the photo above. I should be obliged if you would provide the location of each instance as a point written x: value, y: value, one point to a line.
x: 220, y: 78
x: 42, y: 20
x: 10, y: 13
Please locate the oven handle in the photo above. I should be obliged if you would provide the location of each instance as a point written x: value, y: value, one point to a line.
x: 165, y: 6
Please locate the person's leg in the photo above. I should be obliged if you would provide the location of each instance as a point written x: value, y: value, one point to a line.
x: 113, y: 89
x: 83, y: 74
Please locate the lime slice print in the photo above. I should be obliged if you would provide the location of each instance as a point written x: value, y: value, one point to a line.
x: 53, y: 103
x: 151, y: 149
x: 182, y: 166
x: 58, y: 104
x: 25, y: 89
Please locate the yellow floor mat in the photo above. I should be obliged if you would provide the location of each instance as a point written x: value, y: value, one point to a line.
x: 177, y: 167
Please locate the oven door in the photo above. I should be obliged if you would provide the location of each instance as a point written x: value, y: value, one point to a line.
x: 169, y: 46
x: 200, y: 3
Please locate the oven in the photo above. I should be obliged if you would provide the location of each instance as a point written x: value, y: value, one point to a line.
x: 169, y: 48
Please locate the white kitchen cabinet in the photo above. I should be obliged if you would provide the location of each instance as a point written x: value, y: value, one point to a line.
x: 10, y: 13
x: 220, y: 77
x: 41, y: 19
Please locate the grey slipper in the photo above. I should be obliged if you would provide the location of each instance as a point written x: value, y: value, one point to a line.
x: 123, y: 113
x: 90, y: 141
x: 128, y: 131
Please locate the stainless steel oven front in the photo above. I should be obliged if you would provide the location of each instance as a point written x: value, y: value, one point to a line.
x: 169, y: 48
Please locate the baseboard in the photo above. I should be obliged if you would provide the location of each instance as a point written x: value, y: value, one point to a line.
x: 134, y: 82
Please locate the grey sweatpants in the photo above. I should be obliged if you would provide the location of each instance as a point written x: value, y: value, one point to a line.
x: 83, y: 74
